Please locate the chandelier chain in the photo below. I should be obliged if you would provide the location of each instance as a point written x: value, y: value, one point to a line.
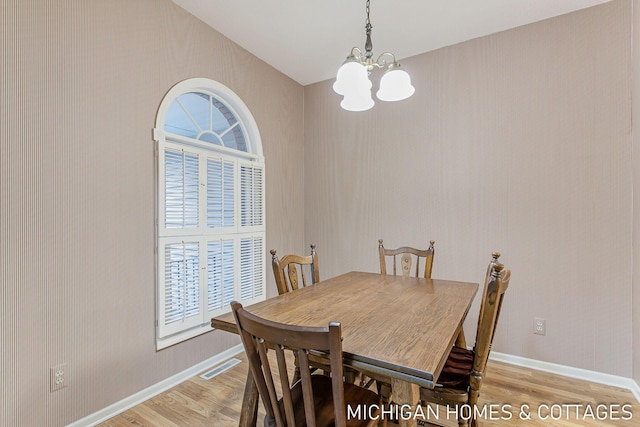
x: 368, y: 21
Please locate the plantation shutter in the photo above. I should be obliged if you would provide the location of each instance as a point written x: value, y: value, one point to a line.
x: 220, y: 274
x: 181, y: 171
x: 251, y: 194
x: 251, y: 268
x: 210, y: 244
x: 181, y: 296
x: 220, y: 193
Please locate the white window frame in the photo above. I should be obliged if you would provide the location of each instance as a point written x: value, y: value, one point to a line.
x: 251, y: 237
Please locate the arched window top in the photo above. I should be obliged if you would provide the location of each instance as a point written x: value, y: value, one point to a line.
x: 206, y: 111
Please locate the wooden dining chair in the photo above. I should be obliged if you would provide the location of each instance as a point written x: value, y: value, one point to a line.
x: 289, y: 271
x: 404, y: 258
x: 314, y: 400
x: 461, y: 378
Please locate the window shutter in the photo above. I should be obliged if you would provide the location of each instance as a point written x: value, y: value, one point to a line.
x: 220, y: 193
x: 220, y: 274
x: 210, y: 209
x: 251, y: 195
x: 181, y: 189
x: 251, y: 268
x: 181, y: 296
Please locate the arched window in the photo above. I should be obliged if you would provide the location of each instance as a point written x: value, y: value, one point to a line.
x: 210, y: 208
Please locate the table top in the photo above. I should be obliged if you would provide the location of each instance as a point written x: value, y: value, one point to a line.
x: 403, y: 325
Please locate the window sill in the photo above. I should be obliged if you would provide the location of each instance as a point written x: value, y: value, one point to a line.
x: 162, y: 343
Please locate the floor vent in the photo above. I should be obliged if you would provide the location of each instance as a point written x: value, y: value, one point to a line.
x: 220, y: 368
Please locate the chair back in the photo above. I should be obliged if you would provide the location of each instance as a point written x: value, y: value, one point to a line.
x: 259, y: 334
x: 496, y: 284
x: 289, y: 271
x: 404, y: 257
x: 487, y: 278
x: 462, y: 375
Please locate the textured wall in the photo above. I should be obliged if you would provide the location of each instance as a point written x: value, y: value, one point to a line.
x: 636, y: 190
x: 80, y: 83
x: 518, y: 142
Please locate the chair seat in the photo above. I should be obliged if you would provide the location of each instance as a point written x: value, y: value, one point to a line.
x: 323, y: 401
x: 457, y: 369
x: 453, y: 384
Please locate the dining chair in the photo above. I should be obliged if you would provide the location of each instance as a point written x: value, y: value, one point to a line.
x: 461, y: 378
x: 405, y: 261
x: 289, y: 272
x: 404, y: 258
x: 314, y: 400
x: 286, y: 270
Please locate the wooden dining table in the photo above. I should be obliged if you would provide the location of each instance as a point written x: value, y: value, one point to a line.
x: 393, y: 327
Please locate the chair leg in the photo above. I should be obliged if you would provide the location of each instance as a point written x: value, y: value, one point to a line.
x: 461, y: 340
x: 463, y: 416
x: 249, y: 413
x: 474, y: 394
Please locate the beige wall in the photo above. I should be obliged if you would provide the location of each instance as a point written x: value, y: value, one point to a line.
x: 518, y: 142
x: 635, y: 118
x: 80, y: 84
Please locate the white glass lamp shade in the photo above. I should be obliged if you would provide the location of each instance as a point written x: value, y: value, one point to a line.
x: 395, y: 85
x: 350, y: 74
x: 354, y: 101
x: 353, y: 83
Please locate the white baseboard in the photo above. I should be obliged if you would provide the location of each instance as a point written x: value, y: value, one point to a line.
x: 139, y: 397
x: 568, y: 371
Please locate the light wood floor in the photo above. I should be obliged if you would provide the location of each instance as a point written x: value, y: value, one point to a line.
x: 216, y: 402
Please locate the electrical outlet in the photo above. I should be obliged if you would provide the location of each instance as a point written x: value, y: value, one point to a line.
x: 58, y: 378
x: 539, y: 326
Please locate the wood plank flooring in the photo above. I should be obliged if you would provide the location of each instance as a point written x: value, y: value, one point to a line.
x: 216, y: 402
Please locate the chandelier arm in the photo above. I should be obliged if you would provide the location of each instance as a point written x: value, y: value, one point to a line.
x: 382, y: 62
x: 357, y: 53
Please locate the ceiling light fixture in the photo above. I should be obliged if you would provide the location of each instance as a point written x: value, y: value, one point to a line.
x: 352, y: 81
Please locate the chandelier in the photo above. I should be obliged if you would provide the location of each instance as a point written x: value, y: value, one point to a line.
x: 352, y: 80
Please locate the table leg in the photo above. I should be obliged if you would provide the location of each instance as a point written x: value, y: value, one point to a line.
x: 249, y: 410
x: 404, y: 393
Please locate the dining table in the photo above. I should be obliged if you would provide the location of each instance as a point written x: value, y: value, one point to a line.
x: 393, y: 327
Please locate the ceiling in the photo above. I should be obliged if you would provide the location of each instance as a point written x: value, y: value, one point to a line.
x: 308, y: 40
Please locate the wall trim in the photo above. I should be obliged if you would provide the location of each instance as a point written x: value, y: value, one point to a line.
x: 139, y: 397
x: 149, y: 392
x: 569, y: 371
